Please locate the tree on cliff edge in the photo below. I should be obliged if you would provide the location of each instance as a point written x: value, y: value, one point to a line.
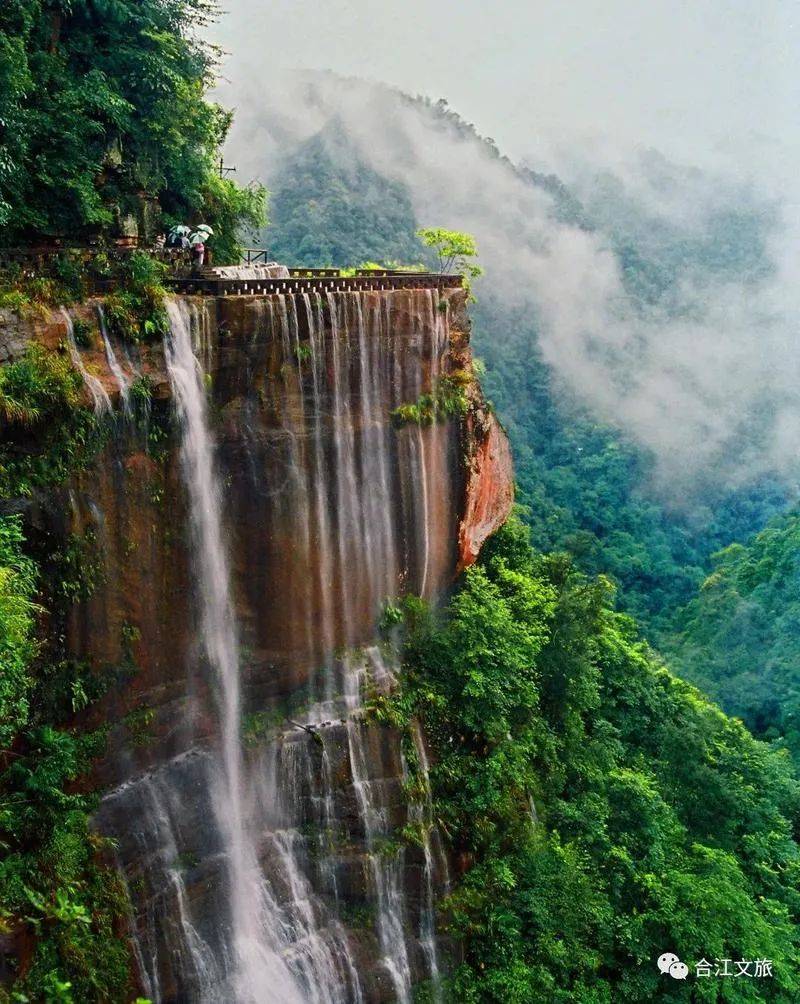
x: 454, y: 249
x: 103, y: 120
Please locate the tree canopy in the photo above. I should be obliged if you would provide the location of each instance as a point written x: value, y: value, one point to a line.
x: 103, y: 120
x: 455, y: 251
x: 600, y: 809
x: 738, y: 637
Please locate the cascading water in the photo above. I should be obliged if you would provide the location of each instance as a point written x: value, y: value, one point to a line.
x: 123, y: 380
x: 266, y: 863
x: 421, y: 815
x: 98, y: 393
x: 257, y: 961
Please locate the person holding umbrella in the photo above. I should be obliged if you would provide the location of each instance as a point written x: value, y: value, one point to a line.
x: 198, y: 244
x: 178, y: 236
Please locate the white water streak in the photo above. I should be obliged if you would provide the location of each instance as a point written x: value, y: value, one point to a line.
x: 386, y: 869
x: 260, y: 968
x: 100, y: 398
x: 123, y: 380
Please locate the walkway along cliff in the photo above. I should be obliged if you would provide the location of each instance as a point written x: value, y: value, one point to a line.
x: 307, y: 457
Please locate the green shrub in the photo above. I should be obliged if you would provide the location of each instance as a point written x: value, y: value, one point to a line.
x: 448, y: 400
x: 82, y: 331
x: 49, y: 433
x: 17, y: 611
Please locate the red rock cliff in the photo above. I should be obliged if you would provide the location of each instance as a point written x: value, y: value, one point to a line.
x: 330, y: 509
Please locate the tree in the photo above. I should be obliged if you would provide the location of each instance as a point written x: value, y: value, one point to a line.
x: 600, y: 808
x: 455, y: 251
x: 103, y: 120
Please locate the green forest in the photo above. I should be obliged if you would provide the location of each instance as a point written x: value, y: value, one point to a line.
x: 611, y: 695
x: 106, y: 129
x: 606, y: 808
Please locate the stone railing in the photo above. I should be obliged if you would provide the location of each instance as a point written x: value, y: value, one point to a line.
x: 329, y: 282
x: 36, y: 262
x: 42, y: 261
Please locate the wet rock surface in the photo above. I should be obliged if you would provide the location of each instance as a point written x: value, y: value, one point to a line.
x: 328, y: 510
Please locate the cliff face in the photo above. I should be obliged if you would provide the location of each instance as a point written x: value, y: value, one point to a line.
x: 243, y: 554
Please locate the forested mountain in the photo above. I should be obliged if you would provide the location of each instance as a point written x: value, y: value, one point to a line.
x: 257, y: 741
x: 317, y: 221
x: 739, y: 636
x: 586, y: 486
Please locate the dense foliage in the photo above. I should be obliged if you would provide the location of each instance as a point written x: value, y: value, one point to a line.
x: 16, y: 629
x: 739, y: 638
x: 601, y: 810
x: 103, y: 120
x: 60, y: 900
x: 46, y: 434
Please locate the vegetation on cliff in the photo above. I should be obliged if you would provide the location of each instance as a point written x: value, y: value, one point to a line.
x: 60, y: 900
x: 600, y: 810
x: 447, y: 399
x: 103, y: 121
x: 46, y: 434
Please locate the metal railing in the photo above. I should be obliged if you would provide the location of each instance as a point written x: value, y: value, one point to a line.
x: 255, y: 256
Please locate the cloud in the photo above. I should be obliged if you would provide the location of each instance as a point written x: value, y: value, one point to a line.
x: 701, y: 366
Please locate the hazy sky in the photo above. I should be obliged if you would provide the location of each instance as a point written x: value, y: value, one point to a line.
x: 702, y: 80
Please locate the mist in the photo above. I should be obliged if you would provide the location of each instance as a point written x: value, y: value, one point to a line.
x: 706, y: 375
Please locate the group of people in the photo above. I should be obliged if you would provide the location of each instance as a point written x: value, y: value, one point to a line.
x: 183, y: 238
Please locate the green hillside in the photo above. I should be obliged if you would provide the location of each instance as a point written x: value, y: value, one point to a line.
x: 739, y: 637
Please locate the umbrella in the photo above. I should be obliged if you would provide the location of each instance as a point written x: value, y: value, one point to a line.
x: 207, y: 228
x: 198, y: 237
x: 179, y: 230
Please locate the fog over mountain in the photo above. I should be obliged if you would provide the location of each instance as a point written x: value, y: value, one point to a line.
x: 709, y: 82
x: 691, y: 348
x: 703, y: 371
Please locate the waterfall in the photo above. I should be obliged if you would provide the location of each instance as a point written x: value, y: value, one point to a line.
x: 280, y: 952
x: 266, y: 864
x: 385, y: 868
x: 157, y: 829
x: 123, y: 381
x: 100, y: 398
x: 258, y: 963
x: 421, y: 814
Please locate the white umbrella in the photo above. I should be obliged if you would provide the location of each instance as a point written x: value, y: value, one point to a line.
x: 207, y: 228
x: 198, y: 237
